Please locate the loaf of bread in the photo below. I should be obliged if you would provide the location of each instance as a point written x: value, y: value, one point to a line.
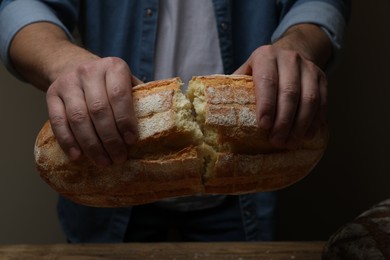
x: 204, y: 142
x: 365, y: 237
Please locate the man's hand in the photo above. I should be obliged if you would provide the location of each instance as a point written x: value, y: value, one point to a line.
x: 290, y: 89
x: 91, y: 111
x: 89, y: 98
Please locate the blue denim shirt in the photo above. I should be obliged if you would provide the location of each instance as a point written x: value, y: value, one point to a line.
x: 127, y: 29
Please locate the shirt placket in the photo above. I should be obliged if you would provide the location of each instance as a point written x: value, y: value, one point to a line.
x: 148, y: 39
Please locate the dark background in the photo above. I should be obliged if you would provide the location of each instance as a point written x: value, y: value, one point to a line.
x: 353, y: 175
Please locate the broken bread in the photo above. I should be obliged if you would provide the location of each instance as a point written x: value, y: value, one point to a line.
x: 244, y: 161
x: 205, y: 142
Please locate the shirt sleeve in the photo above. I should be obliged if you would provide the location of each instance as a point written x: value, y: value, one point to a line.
x: 14, y: 15
x: 331, y: 16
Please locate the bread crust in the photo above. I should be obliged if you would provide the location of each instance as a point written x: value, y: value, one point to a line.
x: 155, y: 105
x: 174, y: 158
x: 365, y: 237
x: 246, y: 161
x: 135, y: 182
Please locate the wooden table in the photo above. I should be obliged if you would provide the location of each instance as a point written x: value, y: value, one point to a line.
x: 177, y: 251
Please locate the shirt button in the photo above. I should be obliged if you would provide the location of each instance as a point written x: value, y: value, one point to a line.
x: 149, y: 12
x: 224, y: 26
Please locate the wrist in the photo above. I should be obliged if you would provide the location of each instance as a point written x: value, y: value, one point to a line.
x: 310, y: 41
x: 69, y: 57
x: 40, y: 52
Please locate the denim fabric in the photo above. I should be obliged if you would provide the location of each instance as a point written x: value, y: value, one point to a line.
x: 248, y: 217
x: 151, y: 223
x: 127, y: 28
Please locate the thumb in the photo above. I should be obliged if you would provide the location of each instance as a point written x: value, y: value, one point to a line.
x: 135, y: 81
x: 244, y: 69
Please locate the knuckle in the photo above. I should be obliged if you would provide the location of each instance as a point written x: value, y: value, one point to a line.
x: 77, y: 116
x: 116, y: 63
x: 57, y: 121
x: 290, y: 91
x: 264, y: 49
x: 265, y: 52
x: 86, y: 68
x: 117, y: 93
x: 311, y: 99
x: 98, y: 108
x: 268, y: 79
x: 114, y: 60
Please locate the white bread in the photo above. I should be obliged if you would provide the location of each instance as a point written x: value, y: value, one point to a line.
x: 219, y: 151
x: 164, y: 117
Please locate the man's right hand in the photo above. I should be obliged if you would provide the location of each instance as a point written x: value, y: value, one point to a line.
x: 91, y: 110
x: 89, y: 98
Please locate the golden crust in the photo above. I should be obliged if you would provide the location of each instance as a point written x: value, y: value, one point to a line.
x: 239, y: 174
x: 174, y: 158
x: 174, y: 174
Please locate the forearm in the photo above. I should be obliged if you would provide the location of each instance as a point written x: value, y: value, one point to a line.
x: 310, y: 41
x: 42, y: 51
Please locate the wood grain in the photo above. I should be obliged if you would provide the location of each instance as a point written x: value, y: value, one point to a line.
x: 177, y: 251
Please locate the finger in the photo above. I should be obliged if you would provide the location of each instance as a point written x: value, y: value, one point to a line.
x: 120, y: 98
x: 320, y: 117
x: 135, y: 81
x: 102, y: 116
x: 288, y: 97
x: 265, y: 78
x: 309, y: 103
x: 244, y: 69
x: 60, y: 127
x: 82, y: 126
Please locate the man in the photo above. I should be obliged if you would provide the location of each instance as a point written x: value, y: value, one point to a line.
x: 285, y: 45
